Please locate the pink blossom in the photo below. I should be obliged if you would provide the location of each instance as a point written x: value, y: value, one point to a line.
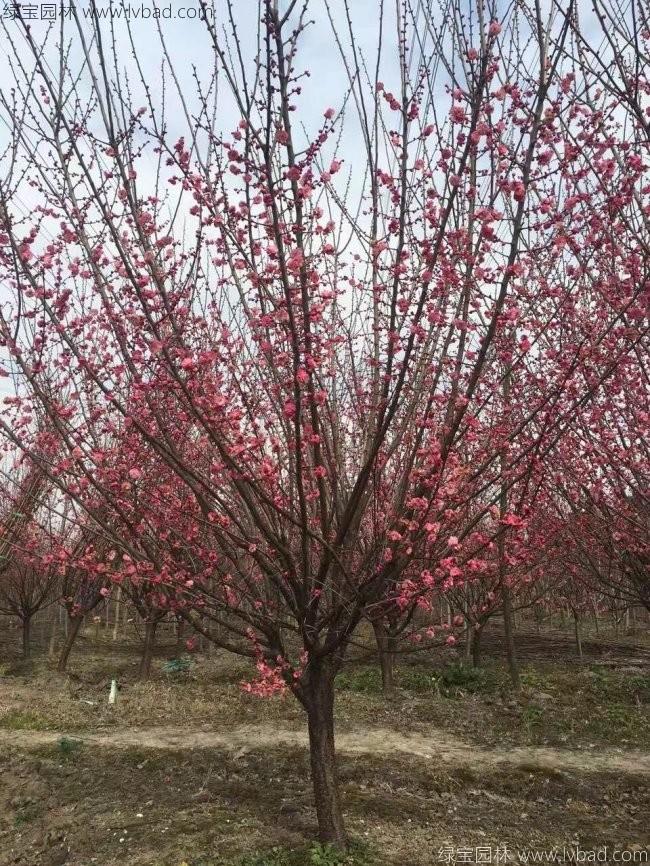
x: 457, y: 114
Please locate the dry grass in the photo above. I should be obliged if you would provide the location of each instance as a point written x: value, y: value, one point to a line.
x: 209, y: 808
x: 562, y: 703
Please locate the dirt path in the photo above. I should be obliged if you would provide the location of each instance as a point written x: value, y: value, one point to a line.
x: 439, y: 747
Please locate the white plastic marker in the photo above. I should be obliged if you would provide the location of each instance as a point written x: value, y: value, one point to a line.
x: 112, y: 695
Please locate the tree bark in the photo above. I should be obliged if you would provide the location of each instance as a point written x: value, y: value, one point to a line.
x: 27, y: 637
x: 73, y: 630
x: 386, y: 652
x: 147, y: 651
x: 508, y: 613
x: 469, y: 640
x: 180, y: 630
x: 576, y: 631
x: 54, y: 631
x: 319, y: 703
x: 477, y: 634
x: 509, y: 634
x: 596, y: 617
x: 117, y: 611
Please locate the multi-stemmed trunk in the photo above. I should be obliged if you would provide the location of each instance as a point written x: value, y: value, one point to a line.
x: 318, y: 700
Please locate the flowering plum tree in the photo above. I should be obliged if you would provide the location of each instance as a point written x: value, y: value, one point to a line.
x: 294, y: 382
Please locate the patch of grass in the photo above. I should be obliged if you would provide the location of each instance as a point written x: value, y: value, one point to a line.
x: 367, y: 681
x: 540, y: 681
x: 177, y: 666
x: 453, y: 681
x: 458, y: 679
x: 364, y: 681
x: 615, y: 722
x: 22, y: 720
x: 613, y: 685
x: 67, y: 747
x: 532, y: 718
x: 26, y: 814
x: 418, y: 680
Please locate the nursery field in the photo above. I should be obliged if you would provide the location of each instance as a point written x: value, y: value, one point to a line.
x: 454, y: 767
x: 324, y: 455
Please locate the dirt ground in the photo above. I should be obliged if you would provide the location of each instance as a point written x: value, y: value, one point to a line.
x: 188, y: 769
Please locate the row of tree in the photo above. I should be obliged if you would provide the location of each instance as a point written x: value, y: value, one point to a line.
x: 39, y: 602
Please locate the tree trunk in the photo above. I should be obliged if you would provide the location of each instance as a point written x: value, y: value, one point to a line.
x: 596, y: 617
x: 386, y: 652
x: 509, y: 634
x: 469, y: 643
x: 73, y: 630
x: 319, y: 703
x: 476, y: 647
x: 27, y: 637
x: 54, y: 631
x: 180, y: 629
x: 117, y: 612
x: 576, y: 629
x: 508, y: 613
x: 147, y: 651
